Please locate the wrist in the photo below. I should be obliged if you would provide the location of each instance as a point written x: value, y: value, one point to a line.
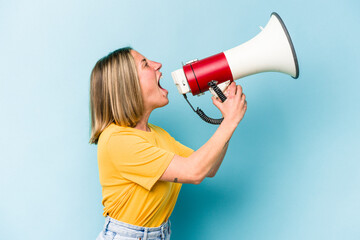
x: 229, y: 124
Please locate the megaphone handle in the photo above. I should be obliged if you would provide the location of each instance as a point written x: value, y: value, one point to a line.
x: 217, y: 90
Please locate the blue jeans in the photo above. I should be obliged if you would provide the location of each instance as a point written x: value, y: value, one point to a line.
x: 116, y: 230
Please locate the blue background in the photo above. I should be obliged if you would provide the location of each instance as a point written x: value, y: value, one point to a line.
x: 292, y: 170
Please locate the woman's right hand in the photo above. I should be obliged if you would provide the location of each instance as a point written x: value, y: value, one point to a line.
x: 199, y: 164
x: 234, y: 107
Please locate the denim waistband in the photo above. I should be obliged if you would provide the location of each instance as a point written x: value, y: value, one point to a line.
x: 129, y: 230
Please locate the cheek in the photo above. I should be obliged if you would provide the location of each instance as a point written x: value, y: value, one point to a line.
x: 149, y: 91
x: 147, y: 82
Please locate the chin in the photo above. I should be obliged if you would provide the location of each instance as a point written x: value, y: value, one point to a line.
x: 162, y: 104
x: 165, y: 103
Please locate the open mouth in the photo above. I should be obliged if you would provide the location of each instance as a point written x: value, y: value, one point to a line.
x: 159, y: 83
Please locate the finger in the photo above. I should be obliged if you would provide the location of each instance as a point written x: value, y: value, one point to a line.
x: 231, y: 89
x: 242, y: 99
x: 239, y: 93
x: 239, y: 90
x: 226, y: 92
x: 214, y: 98
x: 228, y: 89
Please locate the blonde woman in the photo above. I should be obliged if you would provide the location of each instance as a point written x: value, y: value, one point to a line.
x: 141, y: 167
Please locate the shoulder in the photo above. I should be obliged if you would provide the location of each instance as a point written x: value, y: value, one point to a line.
x: 119, y: 133
x: 164, y: 135
x: 159, y: 130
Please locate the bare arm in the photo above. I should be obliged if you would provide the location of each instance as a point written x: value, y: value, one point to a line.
x: 208, y: 157
x: 216, y: 167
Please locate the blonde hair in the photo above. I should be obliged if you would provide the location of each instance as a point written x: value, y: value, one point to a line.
x: 115, y: 93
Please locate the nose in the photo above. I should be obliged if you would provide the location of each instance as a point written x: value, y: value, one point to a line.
x: 157, y: 65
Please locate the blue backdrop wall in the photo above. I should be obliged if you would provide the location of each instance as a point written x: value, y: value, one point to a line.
x: 292, y: 170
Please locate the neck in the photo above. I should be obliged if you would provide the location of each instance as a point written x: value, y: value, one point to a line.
x: 143, y: 122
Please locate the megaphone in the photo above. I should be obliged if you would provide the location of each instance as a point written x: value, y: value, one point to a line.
x: 270, y: 51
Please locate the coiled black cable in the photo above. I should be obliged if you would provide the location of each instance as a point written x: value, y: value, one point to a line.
x: 208, y: 119
x: 200, y: 112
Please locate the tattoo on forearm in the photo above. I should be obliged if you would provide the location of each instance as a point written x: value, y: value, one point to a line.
x: 175, y: 180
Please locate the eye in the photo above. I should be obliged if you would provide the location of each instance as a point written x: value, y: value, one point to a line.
x: 144, y: 63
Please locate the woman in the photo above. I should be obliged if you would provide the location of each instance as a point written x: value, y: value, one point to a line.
x: 141, y: 167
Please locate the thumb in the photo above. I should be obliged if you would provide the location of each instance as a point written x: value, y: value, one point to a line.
x: 217, y: 102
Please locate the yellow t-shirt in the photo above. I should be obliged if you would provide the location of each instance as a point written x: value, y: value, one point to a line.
x: 131, y: 161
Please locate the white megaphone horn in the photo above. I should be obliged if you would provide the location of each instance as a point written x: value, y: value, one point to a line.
x: 270, y: 51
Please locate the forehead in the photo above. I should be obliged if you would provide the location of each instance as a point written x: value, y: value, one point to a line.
x: 137, y: 56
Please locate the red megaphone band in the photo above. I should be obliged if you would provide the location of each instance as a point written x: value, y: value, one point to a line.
x: 200, y: 73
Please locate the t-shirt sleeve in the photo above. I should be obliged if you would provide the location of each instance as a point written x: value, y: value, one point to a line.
x: 183, y: 150
x: 138, y: 160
